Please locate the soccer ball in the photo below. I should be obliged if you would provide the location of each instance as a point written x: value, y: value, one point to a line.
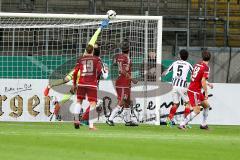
x: 111, y: 14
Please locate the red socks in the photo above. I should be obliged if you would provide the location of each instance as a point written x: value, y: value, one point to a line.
x: 174, y: 109
x: 85, y: 115
x: 172, y: 112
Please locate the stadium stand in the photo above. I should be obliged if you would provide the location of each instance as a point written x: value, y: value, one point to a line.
x: 214, y: 23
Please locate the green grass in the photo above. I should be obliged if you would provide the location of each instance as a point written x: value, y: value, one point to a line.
x: 59, y: 141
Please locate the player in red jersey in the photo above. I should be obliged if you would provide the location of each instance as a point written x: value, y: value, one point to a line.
x: 123, y: 85
x: 104, y: 74
x: 198, y: 82
x: 90, y: 68
x: 69, y: 76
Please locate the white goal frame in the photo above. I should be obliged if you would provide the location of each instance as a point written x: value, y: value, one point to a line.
x: 159, y: 20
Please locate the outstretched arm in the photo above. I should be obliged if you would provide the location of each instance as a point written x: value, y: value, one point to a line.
x: 92, y: 41
x: 95, y: 36
x: 104, y: 24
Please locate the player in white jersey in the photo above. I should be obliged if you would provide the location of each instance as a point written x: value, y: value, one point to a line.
x: 180, y: 69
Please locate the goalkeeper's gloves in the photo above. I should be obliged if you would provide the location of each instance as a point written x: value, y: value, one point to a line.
x: 104, y: 23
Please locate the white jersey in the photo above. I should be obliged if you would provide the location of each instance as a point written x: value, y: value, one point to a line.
x: 180, y: 71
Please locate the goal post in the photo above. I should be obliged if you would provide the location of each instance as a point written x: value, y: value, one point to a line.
x: 76, y: 16
x: 37, y: 49
x: 158, y: 69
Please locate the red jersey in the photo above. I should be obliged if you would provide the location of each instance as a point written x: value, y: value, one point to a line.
x: 200, y: 70
x: 124, y: 66
x: 90, y: 68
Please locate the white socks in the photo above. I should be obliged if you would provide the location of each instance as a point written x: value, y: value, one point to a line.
x: 77, y: 110
x: 114, y: 112
x: 91, y: 117
x: 127, y: 112
x: 189, y: 118
x: 193, y: 114
x: 205, y: 115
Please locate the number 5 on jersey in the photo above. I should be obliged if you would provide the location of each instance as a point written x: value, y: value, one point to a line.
x: 179, y: 71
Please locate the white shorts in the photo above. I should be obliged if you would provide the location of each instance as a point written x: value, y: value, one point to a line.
x: 179, y: 92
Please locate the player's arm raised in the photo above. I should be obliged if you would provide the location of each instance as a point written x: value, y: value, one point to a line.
x: 103, y: 25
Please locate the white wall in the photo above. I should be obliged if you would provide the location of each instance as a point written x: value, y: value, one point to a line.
x: 224, y: 103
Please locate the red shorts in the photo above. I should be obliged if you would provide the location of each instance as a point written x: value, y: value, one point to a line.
x: 89, y: 92
x: 123, y: 93
x: 195, y: 98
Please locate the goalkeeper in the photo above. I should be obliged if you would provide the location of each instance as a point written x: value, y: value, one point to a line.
x: 69, y: 76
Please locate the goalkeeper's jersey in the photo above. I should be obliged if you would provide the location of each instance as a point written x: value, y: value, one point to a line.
x: 70, y: 75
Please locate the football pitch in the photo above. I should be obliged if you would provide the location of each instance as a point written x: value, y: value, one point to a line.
x: 60, y: 141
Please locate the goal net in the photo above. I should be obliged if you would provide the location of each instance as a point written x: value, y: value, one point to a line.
x: 40, y: 49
